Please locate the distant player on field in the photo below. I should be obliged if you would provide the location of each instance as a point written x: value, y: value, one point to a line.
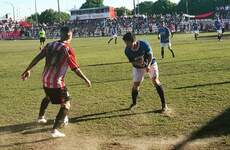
x: 172, y: 29
x: 164, y: 36
x: 218, y: 26
x: 113, y: 31
x: 42, y: 37
x: 195, y: 28
x: 139, y: 53
x: 59, y: 55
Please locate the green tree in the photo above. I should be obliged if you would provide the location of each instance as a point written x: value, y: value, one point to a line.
x: 145, y: 7
x: 163, y: 7
x: 200, y: 6
x: 123, y: 11
x: 92, y: 4
x: 49, y: 16
x: 32, y: 18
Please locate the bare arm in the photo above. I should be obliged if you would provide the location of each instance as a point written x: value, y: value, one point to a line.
x: 150, y: 57
x: 79, y: 73
x: 37, y: 58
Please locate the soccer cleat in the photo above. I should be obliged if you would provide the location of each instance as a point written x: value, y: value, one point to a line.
x: 57, y: 134
x: 132, y: 105
x: 164, y: 108
x: 42, y: 120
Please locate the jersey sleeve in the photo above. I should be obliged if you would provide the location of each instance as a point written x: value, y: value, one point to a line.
x: 72, y: 59
x: 148, y: 49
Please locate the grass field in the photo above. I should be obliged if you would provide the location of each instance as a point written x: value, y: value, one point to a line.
x: 196, y: 83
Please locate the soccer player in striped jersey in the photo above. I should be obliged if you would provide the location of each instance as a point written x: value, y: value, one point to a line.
x: 164, y: 36
x: 139, y: 53
x: 59, y: 55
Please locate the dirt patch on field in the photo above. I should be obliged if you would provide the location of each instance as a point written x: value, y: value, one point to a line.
x: 40, y: 140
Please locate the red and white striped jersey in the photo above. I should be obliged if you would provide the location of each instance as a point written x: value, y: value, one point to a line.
x: 59, y: 56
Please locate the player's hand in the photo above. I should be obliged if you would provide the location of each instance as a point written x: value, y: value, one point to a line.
x: 147, y: 68
x: 88, y: 82
x: 25, y: 75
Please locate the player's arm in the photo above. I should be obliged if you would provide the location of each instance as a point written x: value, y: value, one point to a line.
x: 158, y: 35
x: 150, y: 57
x: 75, y: 67
x: 25, y: 75
x: 79, y: 73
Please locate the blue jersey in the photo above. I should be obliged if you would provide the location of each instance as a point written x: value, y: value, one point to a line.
x: 218, y: 25
x: 164, y: 33
x: 195, y: 27
x: 139, y: 57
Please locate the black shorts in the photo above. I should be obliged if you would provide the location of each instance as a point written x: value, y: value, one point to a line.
x: 42, y: 39
x: 57, y: 95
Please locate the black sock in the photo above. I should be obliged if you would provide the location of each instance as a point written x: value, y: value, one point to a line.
x: 110, y: 40
x: 162, y: 53
x: 160, y: 92
x: 173, y: 55
x: 134, y: 96
x: 44, y: 105
x: 60, y: 117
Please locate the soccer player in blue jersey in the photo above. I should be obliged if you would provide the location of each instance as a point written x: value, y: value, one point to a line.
x: 218, y: 26
x: 139, y: 54
x: 113, y: 34
x: 195, y: 28
x: 164, y: 36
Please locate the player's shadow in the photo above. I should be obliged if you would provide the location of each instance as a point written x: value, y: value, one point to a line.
x: 215, y: 36
x: 23, y: 143
x: 101, y: 82
x: 108, y: 64
x: 219, y: 126
x: 203, y: 85
x: 25, y: 128
x: 34, y: 127
x: 105, y: 115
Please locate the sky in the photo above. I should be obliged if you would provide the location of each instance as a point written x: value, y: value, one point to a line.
x: 24, y: 8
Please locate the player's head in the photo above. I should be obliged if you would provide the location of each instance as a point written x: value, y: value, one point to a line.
x: 66, y: 33
x: 129, y: 38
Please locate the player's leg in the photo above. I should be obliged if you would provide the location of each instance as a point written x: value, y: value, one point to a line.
x: 44, y: 104
x: 162, y: 52
x: 41, y: 41
x: 154, y: 76
x: 110, y: 40
x: 116, y: 40
x: 219, y: 35
x: 138, y: 76
x: 62, y: 114
x: 170, y: 48
x: 63, y: 99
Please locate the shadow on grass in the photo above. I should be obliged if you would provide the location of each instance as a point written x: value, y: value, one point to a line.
x: 208, y: 36
x: 24, y: 127
x: 107, y: 64
x: 23, y: 143
x: 33, y: 127
x: 219, y: 126
x: 202, y: 85
x: 97, y: 116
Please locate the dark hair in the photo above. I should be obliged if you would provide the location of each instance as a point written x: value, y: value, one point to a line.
x: 129, y: 37
x: 65, y: 30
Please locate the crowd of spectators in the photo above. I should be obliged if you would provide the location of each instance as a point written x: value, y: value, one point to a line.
x: 140, y: 24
